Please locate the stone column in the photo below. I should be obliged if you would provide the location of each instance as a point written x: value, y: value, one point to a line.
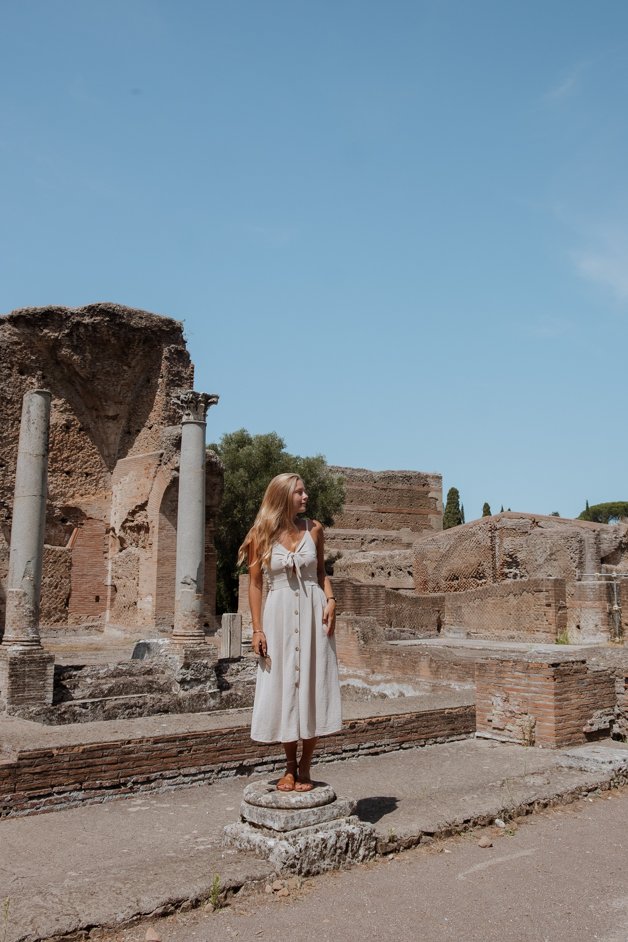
x: 26, y: 671
x: 190, y: 567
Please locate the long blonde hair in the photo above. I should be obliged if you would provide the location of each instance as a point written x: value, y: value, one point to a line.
x: 275, y: 514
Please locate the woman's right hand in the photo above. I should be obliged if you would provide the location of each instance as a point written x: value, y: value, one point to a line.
x: 259, y: 643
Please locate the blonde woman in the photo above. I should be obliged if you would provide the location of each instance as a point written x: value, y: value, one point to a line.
x: 297, y: 695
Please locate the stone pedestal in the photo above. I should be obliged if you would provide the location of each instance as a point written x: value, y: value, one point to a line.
x: 231, y: 627
x: 26, y: 677
x: 301, y: 832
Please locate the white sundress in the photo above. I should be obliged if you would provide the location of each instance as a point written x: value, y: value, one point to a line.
x: 297, y: 694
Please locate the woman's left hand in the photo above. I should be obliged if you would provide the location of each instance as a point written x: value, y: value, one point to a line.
x: 329, y: 617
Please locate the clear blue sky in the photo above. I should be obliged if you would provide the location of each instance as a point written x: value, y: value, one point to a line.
x: 396, y: 231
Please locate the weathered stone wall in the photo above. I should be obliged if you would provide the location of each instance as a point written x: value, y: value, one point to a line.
x: 390, y: 500
x: 543, y: 703
x: 367, y: 659
x: 383, y: 513
x: 511, y: 546
x: 114, y: 433
x: 530, y: 610
x: 527, y: 577
x: 420, y: 617
x: 381, y: 567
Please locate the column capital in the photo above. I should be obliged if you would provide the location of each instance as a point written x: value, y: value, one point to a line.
x: 194, y: 405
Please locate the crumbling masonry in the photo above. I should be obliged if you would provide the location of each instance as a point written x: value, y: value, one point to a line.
x: 110, y: 534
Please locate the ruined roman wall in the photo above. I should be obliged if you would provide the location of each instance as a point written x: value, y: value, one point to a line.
x: 113, y: 466
x: 525, y: 576
x: 390, y: 501
x: 383, y: 513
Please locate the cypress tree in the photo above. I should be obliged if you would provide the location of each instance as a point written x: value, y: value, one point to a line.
x: 486, y: 509
x: 453, y: 515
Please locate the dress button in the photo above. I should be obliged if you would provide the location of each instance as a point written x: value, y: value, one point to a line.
x: 296, y: 683
x: 297, y: 630
x: 296, y: 648
x: 297, y: 667
x: 296, y: 611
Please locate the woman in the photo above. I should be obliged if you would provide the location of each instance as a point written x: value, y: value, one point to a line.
x: 297, y: 695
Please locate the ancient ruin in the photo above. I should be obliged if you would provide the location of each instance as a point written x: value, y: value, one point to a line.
x: 115, y: 429
x: 510, y: 627
x: 110, y: 432
x: 527, y: 577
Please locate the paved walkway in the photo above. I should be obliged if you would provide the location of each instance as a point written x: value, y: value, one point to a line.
x: 557, y: 876
x: 103, y: 865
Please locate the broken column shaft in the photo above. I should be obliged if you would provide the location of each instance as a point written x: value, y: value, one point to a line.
x: 29, y: 520
x: 190, y: 566
x: 26, y: 671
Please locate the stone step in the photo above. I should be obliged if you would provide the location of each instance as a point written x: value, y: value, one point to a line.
x: 56, y: 767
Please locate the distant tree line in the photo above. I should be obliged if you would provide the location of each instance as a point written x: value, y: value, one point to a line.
x: 611, y: 512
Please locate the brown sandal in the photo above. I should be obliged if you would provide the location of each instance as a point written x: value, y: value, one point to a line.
x: 303, y: 783
x: 287, y: 782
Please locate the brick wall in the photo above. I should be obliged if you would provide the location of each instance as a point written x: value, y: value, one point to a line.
x: 543, y: 703
x: 621, y: 709
x: 419, y: 615
x: 56, y: 585
x: 166, y: 553
x: 532, y: 609
x: 88, y: 598
x: 363, y: 653
x: 390, y: 500
x: 40, y: 779
x: 588, y: 617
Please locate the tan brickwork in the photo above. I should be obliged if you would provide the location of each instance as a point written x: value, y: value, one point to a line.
x: 39, y: 779
x: 530, y: 610
x: 528, y: 577
x: 390, y: 500
x: 420, y: 616
x: 543, y: 703
x: 88, y: 590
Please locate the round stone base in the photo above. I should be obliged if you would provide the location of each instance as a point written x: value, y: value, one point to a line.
x: 265, y: 795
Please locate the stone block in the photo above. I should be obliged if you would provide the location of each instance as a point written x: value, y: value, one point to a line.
x: 231, y: 626
x: 310, y: 850
x: 284, y: 819
x: 301, y: 832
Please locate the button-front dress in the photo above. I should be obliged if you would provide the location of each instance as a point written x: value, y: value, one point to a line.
x: 297, y: 694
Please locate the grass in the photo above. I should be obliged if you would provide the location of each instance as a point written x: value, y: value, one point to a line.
x: 214, y: 893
